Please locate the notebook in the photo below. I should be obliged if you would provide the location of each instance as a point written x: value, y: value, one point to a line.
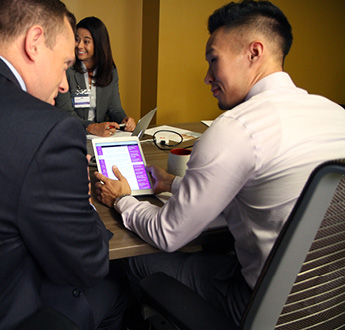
x: 127, y: 155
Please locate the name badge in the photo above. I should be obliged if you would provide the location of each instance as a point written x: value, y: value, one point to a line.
x: 82, y: 99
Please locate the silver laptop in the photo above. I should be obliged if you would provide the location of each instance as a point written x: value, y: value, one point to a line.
x: 139, y: 132
x: 143, y: 123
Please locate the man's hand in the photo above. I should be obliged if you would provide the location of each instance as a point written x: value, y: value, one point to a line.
x: 161, y: 179
x: 107, y: 189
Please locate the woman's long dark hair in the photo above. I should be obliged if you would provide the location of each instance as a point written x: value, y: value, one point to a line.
x: 103, y: 58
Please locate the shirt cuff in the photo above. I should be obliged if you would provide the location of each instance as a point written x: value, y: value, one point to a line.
x: 176, y: 184
x: 124, y: 203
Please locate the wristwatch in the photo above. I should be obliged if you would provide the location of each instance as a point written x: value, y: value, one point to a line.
x: 117, y: 199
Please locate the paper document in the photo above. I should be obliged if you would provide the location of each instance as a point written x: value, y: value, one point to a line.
x: 118, y: 133
x: 187, y: 135
x: 207, y: 122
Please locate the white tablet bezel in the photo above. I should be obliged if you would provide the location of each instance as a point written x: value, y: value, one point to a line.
x: 97, y: 141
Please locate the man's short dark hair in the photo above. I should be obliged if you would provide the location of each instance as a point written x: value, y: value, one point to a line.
x: 262, y: 15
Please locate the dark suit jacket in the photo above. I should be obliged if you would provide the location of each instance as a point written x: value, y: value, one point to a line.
x: 108, y: 103
x: 52, y: 242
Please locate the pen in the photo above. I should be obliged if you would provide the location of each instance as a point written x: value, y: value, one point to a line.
x: 112, y: 126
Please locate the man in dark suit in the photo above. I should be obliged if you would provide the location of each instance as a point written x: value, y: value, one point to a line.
x: 53, y: 245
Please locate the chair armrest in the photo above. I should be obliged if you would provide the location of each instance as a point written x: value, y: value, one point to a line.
x: 180, y: 304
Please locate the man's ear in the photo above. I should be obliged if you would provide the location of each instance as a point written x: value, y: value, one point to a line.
x: 33, y: 41
x: 256, y: 49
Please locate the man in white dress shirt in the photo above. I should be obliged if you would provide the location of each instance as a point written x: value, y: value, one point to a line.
x: 273, y: 135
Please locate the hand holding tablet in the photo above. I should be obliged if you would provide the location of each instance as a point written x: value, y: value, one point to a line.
x: 127, y: 155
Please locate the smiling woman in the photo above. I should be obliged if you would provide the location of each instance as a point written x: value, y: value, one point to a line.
x: 93, y: 82
x: 85, y: 48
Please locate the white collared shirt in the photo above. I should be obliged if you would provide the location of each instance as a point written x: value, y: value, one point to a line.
x: 16, y: 74
x: 249, y: 166
x: 92, y: 91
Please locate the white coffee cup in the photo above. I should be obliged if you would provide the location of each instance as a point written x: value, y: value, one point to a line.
x: 177, y: 161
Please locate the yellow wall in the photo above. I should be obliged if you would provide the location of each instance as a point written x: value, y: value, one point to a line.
x: 316, y: 61
x: 182, y: 94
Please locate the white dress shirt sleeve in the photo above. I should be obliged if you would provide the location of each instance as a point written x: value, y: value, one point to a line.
x: 213, y: 178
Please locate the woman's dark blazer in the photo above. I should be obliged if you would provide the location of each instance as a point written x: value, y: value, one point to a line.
x: 108, y: 102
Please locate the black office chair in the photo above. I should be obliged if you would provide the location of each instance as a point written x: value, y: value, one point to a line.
x: 302, y: 284
x: 47, y: 319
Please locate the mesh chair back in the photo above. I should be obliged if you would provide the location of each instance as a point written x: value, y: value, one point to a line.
x: 289, y: 296
x: 317, y: 298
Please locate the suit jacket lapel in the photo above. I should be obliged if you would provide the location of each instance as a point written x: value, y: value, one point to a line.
x: 99, y: 101
x: 7, y: 73
x: 80, y: 80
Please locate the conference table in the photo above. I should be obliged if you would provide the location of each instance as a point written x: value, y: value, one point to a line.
x: 125, y: 243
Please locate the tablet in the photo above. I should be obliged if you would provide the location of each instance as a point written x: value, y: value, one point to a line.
x: 127, y: 155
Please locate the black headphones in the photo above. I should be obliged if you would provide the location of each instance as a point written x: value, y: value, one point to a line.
x: 162, y: 144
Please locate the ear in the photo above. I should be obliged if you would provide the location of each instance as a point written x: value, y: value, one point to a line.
x: 256, y: 49
x: 33, y: 41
